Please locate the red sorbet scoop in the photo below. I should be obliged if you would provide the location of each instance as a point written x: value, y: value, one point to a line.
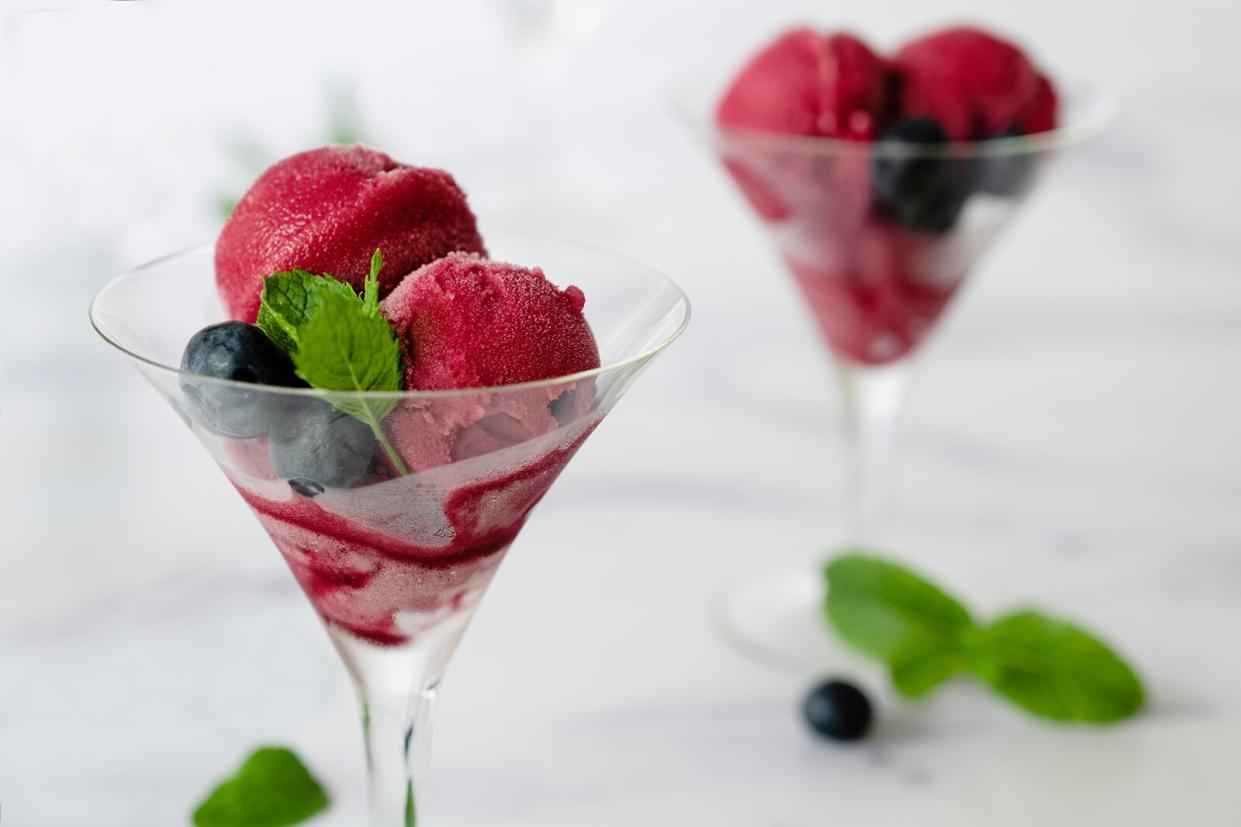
x: 975, y: 84
x: 327, y: 210
x: 465, y: 322
x: 808, y: 84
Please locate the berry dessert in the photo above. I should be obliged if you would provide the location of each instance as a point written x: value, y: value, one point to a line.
x: 327, y: 210
x: 471, y: 323
x: 346, y: 271
x: 868, y: 169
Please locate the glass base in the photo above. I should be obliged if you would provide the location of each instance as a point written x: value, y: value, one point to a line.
x: 776, y: 618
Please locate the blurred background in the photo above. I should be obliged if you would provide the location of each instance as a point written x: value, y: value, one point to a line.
x: 1072, y: 441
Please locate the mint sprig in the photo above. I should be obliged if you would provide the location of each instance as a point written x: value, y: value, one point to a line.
x: 338, y: 341
x: 1048, y: 667
x: 272, y: 788
x: 345, y: 349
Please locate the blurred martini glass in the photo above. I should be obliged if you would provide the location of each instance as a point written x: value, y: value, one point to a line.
x: 876, y: 290
x: 395, y: 566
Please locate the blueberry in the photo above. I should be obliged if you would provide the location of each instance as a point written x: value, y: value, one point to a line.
x: 838, y: 710
x: 564, y: 407
x: 923, y: 194
x: 315, y: 447
x: 1007, y: 173
x: 243, y: 353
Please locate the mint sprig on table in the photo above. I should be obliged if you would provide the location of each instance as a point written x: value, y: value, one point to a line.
x: 338, y: 340
x: 1049, y: 667
x: 272, y: 788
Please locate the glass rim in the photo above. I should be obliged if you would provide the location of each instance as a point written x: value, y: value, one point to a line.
x: 198, y: 378
x: 1101, y: 111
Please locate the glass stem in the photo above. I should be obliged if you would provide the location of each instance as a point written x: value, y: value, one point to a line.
x: 396, y: 688
x: 398, y: 742
x: 873, y: 399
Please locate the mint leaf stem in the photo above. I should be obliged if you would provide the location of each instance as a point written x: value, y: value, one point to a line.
x: 381, y: 437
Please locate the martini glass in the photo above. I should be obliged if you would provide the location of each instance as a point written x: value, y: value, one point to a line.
x: 396, y: 564
x: 877, y: 277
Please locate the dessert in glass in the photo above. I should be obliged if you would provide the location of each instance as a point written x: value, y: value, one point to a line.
x: 881, y: 180
x: 392, y: 418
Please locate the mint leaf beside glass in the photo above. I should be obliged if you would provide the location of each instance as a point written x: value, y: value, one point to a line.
x: 917, y: 670
x: 882, y: 608
x: 272, y: 788
x: 1055, y: 669
x: 1049, y: 667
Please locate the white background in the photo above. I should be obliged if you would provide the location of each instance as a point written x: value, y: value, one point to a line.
x: 1073, y: 440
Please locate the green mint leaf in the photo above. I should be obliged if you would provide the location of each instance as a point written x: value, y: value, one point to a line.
x: 290, y: 299
x: 1046, y: 666
x: 886, y: 610
x: 273, y: 788
x: 917, y: 669
x: 1055, y: 669
x: 338, y: 340
x: 342, y: 348
x: 370, y: 289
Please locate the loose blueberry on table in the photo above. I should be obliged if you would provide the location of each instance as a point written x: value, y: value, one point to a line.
x: 838, y: 710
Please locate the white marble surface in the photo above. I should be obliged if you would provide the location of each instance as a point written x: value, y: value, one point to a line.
x: 1073, y: 441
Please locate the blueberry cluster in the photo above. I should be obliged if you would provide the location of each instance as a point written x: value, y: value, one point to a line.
x: 311, y: 444
x: 925, y: 192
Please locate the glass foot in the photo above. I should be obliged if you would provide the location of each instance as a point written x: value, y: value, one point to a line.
x: 776, y: 618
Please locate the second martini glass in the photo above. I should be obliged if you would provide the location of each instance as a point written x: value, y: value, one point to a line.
x: 396, y: 565
x: 876, y: 290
